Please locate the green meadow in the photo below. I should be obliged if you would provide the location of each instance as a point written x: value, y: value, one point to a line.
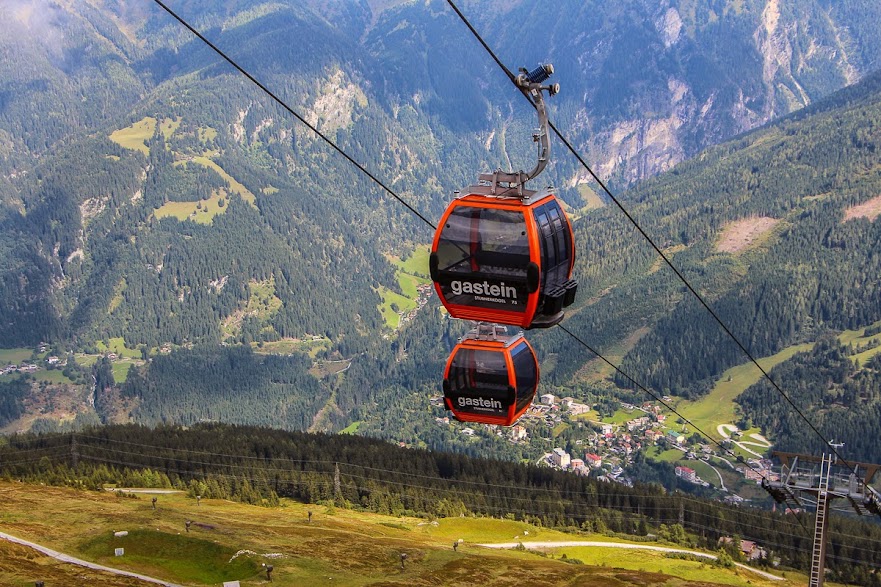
x: 392, y: 304
x: 202, y: 211
x: 117, y: 345
x: 411, y: 273
x: 134, y: 137
x: 14, y: 356
x: 234, y: 184
x: 717, y: 407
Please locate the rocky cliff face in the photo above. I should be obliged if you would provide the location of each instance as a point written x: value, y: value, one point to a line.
x: 663, y: 80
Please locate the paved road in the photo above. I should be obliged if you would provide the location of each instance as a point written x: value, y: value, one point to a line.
x: 75, y: 561
x: 723, y: 430
x: 530, y: 545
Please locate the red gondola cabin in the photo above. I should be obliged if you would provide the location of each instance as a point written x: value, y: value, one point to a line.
x: 490, y: 379
x: 504, y: 260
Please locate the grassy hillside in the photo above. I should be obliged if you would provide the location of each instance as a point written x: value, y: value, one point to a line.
x: 229, y: 541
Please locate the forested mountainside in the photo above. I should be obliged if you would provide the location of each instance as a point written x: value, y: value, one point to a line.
x: 809, y: 176
x: 800, y: 199
x: 843, y: 396
x: 648, y: 83
x: 177, y: 217
x: 91, y: 247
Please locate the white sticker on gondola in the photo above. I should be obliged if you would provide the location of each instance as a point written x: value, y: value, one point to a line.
x: 483, y: 289
x: 479, y: 402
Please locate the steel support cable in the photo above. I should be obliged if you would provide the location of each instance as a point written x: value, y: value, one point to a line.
x: 301, y: 461
x: 331, y: 483
x: 274, y: 470
x: 251, y: 477
x: 398, y: 473
x: 185, y: 450
x: 279, y: 459
x: 11, y: 448
x: 444, y: 480
x: 628, y: 513
x: 631, y: 513
x: 645, y: 235
x: 629, y: 510
x: 480, y: 507
x: 37, y: 458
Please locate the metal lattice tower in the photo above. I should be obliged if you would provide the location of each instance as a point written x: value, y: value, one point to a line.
x: 818, y: 554
x: 818, y: 481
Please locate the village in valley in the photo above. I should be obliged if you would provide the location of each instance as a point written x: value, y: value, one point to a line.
x: 587, y: 444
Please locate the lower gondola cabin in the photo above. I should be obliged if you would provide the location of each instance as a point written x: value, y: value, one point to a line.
x: 490, y: 380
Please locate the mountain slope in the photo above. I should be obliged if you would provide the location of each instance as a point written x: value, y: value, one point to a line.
x: 67, y: 68
x: 194, y: 212
x: 389, y: 87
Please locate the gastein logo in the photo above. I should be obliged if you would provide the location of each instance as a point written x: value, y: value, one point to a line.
x: 483, y: 289
x: 480, y: 402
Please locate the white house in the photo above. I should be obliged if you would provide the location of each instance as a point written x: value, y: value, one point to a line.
x: 687, y: 474
x: 561, y: 458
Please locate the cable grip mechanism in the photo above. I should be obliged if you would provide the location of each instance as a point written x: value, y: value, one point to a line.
x: 530, y: 83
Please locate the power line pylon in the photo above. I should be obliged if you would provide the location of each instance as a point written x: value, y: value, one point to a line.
x: 818, y: 481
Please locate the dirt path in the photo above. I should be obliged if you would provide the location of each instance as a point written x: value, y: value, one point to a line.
x: 138, y: 490
x: 76, y: 561
x: 536, y: 545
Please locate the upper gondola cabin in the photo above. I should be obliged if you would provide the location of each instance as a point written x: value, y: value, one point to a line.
x: 506, y: 260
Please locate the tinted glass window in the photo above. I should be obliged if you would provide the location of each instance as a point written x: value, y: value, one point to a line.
x: 556, y: 244
x: 479, y: 382
x: 482, y: 258
x: 526, y: 373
